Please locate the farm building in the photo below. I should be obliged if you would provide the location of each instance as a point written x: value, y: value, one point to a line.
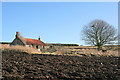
x: 59, y: 44
x: 19, y: 40
x: 52, y: 45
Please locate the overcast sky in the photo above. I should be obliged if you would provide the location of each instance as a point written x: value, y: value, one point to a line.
x: 55, y: 22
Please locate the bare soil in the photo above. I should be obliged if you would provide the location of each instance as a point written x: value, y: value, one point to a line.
x: 21, y: 65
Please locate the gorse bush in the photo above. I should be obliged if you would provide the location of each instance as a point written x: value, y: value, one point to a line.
x: 50, y: 50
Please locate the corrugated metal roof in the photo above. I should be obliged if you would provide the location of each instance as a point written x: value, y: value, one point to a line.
x: 34, y: 41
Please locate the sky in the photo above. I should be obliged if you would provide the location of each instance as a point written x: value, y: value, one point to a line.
x: 54, y: 22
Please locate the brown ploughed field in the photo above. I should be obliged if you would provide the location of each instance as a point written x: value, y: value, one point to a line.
x: 21, y: 65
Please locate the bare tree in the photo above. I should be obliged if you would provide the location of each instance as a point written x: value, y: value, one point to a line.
x: 99, y: 33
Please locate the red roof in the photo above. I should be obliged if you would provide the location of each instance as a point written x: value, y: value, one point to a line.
x: 34, y: 41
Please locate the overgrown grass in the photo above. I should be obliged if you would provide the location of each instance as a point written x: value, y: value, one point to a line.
x: 17, y: 48
x: 60, y: 51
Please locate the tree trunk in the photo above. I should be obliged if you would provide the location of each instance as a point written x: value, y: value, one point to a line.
x: 99, y: 47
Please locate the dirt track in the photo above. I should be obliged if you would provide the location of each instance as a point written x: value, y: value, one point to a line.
x: 26, y: 66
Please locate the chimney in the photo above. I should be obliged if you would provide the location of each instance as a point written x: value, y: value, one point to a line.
x: 39, y: 38
x: 17, y: 34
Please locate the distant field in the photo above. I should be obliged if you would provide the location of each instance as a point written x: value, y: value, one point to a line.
x: 71, y: 50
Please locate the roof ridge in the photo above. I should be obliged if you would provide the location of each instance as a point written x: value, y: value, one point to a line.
x: 34, y: 41
x: 31, y: 38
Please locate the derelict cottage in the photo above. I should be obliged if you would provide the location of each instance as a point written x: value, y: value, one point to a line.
x: 20, y: 40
